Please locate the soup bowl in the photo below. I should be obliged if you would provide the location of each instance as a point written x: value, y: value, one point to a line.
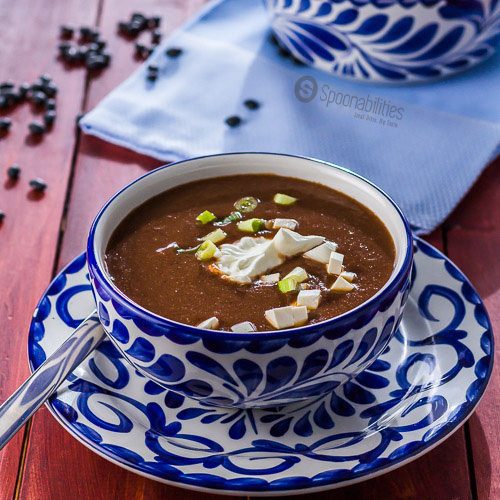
x: 261, y: 369
x: 390, y: 41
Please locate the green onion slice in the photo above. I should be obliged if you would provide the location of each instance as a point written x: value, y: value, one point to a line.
x: 284, y: 199
x: 287, y: 285
x: 232, y: 217
x: 251, y: 225
x: 206, y: 251
x: 246, y: 204
x: 215, y: 236
x: 206, y: 217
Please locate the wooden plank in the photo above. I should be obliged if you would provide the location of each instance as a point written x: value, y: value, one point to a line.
x: 29, y: 233
x: 100, y: 170
x: 473, y: 242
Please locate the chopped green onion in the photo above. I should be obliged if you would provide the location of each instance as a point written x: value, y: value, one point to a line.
x: 287, y: 285
x: 299, y: 274
x: 246, y: 204
x: 207, y: 250
x: 206, y: 217
x: 188, y: 250
x: 284, y: 199
x: 251, y: 225
x: 215, y: 236
x: 232, y: 217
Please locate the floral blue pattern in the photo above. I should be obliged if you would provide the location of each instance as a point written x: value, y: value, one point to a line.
x: 388, y: 40
x: 425, y: 383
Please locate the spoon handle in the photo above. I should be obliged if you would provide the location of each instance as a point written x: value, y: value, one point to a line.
x: 46, y: 379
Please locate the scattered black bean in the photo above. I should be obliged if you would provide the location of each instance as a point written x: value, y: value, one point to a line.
x: 63, y: 47
x: 49, y: 118
x: 173, y: 52
x: 66, y: 31
x: 45, y: 79
x: 36, y: 128
x: 153, y: 68
x: 50, y: 104
x: 13, y: 172
x: 251, y: 104
x: 140, y: 50
x: 50, y: 89
x: 155, y: 37
x: 86, y: 33
x: 71, y: 55
x: 154, y: 22
x: 152, y: 76
x: 2, y: 216
x: 23, y: 90
x: 233, y: 121
x: 5, y: 123
x: 123, y: 28
x: 6, y: 85
x: 38, y: 184
x: 95, y: 61
x: 39, y: 98
x: 3, y: 102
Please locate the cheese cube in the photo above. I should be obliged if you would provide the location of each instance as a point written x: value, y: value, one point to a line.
x: 244, y: 327
x: 342, y: 286
x: 286, y: 317
x: 209, y: 324
x: 309, y: 298
x: 289, y: 243
x: 299, y: 274
x: 286, y: 223
x: 270, y: 278
x: 335, y: 263
x: 350, y: 277
x: 322, y: 252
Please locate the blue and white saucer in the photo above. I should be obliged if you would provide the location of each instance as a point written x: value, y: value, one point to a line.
x: 422, y: 388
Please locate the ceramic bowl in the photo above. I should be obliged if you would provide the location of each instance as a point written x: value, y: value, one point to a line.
x: 387, y: 40
x: 259, y: 369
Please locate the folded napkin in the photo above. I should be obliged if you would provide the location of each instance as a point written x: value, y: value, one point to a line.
x: 426, y: 157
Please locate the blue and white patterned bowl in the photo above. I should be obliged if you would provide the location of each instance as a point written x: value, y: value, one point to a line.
x: 388, y: 40
x: 250, y: 370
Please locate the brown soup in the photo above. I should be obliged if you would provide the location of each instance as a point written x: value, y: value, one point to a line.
x: 144, y: 261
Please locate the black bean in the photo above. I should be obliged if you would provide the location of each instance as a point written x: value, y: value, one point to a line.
x: 100, y: 44
x: 155, y: 37
x: 233, y: 121
x: 173, y: 52
x: 2, y: 216
x: 50, y: 89
x: 138, y: 23
x: 5, y: 123
x: 50, y: 104
x: 45, y: 79
x: 23, y: 90
x: 252, y: 104
x: 63, y: 47
x: 96, y: 61
x: 3, y: 102
x: 36, y: 128
x: 86, y: 33
x: 124, y: 28
x: 71, y: 55
x: 13, y: 172
x: 39, y: 98
x: 6, y: 85
x: 140, y: 50
x: 153, y: 68
x: 49, y: 118
x: 38, y: 184
x: 154, y: 22
x: 152, y: 76
x: 66, y: 31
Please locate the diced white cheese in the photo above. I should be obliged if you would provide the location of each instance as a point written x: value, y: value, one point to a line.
x: 342, y: 286
x: 244, y: 327
x: 286, y: 317
x: 209, y: 324
x: 309, y: 298
x: 290, y: 243
x: 335, y: 263
x: 270, y: 278
x: 350, y: 277
x: 299, y: 274
x: 286, y: 223
x: 322, y: 252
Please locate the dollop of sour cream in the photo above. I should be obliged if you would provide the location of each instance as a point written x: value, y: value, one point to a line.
x: 252, y: 256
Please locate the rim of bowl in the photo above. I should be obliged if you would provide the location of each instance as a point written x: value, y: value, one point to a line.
x: 146, y: 314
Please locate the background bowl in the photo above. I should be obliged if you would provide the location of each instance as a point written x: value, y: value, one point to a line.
x: 258, y: 369
x: 387, y: 40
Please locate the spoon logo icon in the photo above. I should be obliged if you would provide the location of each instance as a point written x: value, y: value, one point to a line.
x: 306, y: 88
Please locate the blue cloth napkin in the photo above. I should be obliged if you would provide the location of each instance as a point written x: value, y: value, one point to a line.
x: 435, y: 147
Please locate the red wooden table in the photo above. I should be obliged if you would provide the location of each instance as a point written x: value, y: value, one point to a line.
x: 42, y: 233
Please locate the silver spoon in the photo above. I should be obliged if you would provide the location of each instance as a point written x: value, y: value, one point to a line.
x: 48, y: 377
